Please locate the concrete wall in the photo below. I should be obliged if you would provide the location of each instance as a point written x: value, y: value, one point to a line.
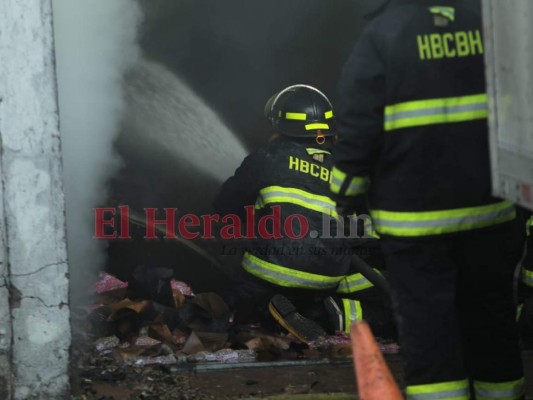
x: 33, y: 254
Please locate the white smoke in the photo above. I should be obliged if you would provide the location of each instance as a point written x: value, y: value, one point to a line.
x: 95, y: 45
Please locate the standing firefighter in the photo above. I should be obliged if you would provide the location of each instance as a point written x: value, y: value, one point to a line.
x: 413, y: 148
x: 289, y: 181
x: 525, y: 291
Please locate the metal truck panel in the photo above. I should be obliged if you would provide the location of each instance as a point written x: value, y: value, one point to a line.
x: 509, y: 68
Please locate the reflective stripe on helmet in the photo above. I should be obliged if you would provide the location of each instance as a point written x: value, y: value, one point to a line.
x: 435, y: 111
x: 423, y: 223
x: 309, y: 127
x: 302, y: 116
x: 287, y: 277
x: 296, y: 116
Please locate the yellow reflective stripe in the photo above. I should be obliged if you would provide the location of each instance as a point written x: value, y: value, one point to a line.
x: 347, y: 316
x: 308, y: 127
x: 527, y: 277
x: 312, y: 151
x: 431, y: 104
x: 337, y: 179
x: 529, y: 225
x: 287, y: 277
x: 519, y: 311
x: 280, y: 194
x: 448, y: 12
x: 352, y: 312
x: 370, y: 231
x: 511, y: 390
x: 456, y: 390
x: 398, y: 223
x: 328, y: 114
x: 358, y: 184
x: 358, y: 310
x: 296, y: 116
x: 441, y: 214
x: 300, y: 192
x: 354, y: 283
x: 435, y: 111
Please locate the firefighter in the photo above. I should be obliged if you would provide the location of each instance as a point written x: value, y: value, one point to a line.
x: 525, y: 291
x: 297, y: 270
x: 357, y: 292
x: 413, y: 149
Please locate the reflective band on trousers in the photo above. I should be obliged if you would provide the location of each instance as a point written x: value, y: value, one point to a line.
x: 356, y: 186
x: 279, y: 194
x: 455, y: 390
x: 352, y: 312
x: 423, y: 223
x: 435, y: 111
x: 354, y: 283
x: 287, y: 277
x: 527, y: 277
x: 511, y: 390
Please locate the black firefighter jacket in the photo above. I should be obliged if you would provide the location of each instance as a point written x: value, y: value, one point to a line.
x: 412, y: 122
x: 288, y: 184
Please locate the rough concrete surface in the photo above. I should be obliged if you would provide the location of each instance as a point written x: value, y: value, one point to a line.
x: 5, y: 312
x: 33, y: 205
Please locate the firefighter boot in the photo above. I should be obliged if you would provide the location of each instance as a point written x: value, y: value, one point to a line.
x: 335, y: 313
x: 285, y: 313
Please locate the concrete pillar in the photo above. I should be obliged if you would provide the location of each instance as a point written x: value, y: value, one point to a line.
x: 34, y: 312
x: 5, y: 311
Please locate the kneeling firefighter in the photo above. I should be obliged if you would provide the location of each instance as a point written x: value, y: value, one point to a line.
x: 288, y: 181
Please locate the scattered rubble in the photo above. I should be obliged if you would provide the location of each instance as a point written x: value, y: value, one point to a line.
x: 171, y: 328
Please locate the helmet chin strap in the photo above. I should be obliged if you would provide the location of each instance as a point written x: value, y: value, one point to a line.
x: 320, y: 138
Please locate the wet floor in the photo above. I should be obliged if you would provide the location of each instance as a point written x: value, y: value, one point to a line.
x: 273, y: 381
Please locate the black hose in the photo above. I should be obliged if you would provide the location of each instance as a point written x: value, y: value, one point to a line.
x: 369, y: 273
x: 137, y: 219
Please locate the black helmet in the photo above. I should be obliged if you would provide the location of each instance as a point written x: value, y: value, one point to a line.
x: 301, y: 111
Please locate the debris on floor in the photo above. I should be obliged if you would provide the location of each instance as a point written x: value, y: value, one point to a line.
x: 159, y: 322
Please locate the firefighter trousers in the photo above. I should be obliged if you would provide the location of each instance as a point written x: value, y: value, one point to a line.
x: 249, y: 296
x: 453, y: 301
